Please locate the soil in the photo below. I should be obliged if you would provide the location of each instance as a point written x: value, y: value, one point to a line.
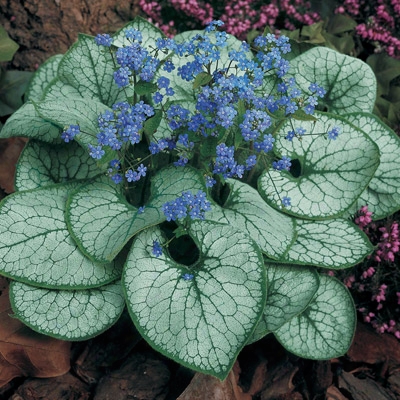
x: 117, y: 364
x: 43, y: 28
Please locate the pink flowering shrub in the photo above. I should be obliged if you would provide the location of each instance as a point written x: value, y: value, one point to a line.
x: 153, y: 11
x: 375, y: 283
x: 203, y: 12
x: 389, y: 244
x: 378, y: 22
x: 239, y: 16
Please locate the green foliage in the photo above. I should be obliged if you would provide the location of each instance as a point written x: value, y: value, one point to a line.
x: 68, y: 314
x: 314, y: 333
x: 336, y: 33
x: 387, y: 72
x: 203, y: 323
x: 79, y: 246
x: 315, y: 196
x: 7, y: 46
x: 13, y: 84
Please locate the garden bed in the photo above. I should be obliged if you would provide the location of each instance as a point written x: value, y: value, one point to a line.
x: 118, y: 364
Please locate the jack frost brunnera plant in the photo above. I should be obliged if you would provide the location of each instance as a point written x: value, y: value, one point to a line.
x: 201, y: 183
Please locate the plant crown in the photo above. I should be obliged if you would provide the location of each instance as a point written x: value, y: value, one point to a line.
x: 201, y: 182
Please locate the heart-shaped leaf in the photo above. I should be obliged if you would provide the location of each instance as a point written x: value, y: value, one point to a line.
x: 246, y: 211
x: 171, y: 181
x: 43, y: 76
x: 35, y: 245
x: 26, y: 122
x: 67, y: 315
x: 383, y: 192
x: 102, y: 221
x: 290, y: 291
x: 41, y: 165
x: 205, y: 321
x: 350, y: 83
x: 58, y: 90
x: 330, y: 244
x: 333, y: 172
x: 89, y: 68
x: 382, y: 205
x: 73, y: 111
x: 385, y: 179
x: 326, y: 328
x: 82, y: 112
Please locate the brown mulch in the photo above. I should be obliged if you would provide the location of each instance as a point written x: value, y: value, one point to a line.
x: 117, y: 365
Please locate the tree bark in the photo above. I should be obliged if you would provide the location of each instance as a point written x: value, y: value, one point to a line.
x: 43, y: 28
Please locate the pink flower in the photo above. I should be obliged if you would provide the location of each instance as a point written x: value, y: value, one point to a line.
x: 368, y: 273
x: 368, y: 317
x: 363, y: 217
x: 349, y: 281
x: 389, y: 244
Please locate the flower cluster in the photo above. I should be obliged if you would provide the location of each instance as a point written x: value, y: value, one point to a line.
x: 283, y: 164
x: 189, y: 205
x: 389, y: 243
x: 225, y: 163
x: 153, y: 10
x: 156, y: 248
x: 118, y: 129
x: 134, y: 60
x: 123, y: 125
x: 254, y: 124
x: 70, y: 132
x: 163, y: 86
x: 363, y: 217
x: 387, y: 236
x: 312, y: 101
x: 103, y: 39
x: 132, y: 176
x: 230, y: 100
